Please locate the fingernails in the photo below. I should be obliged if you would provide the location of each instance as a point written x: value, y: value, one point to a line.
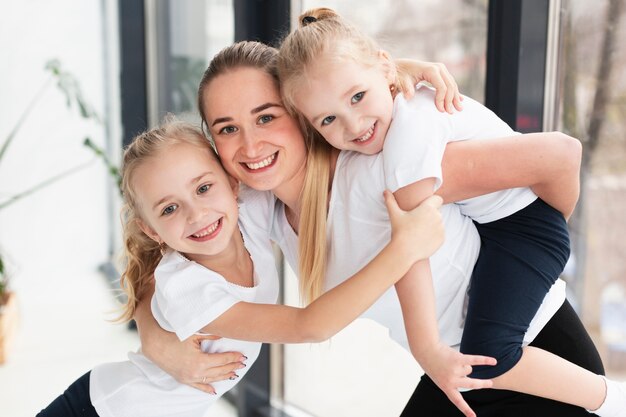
x: 213, y: 393
x: 232, y: 378
x: 242, y: 365
x: 243, y: 358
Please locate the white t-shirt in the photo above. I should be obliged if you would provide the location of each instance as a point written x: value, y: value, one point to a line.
x: 187, y: 297
x: 416, y: 141
x: 358, y: 228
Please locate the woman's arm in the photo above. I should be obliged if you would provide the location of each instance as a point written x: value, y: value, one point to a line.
x: 183, y: 360
x: 547, y: 162
x: 415, y: 236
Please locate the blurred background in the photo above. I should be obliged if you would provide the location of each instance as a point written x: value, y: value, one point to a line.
x: 78, y: 78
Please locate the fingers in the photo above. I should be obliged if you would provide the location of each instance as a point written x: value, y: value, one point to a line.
x: 205, y: 388
x: 480, y: 360
x: 391, y: 203
x: 406, y: 86
x: 459, y: 402
x: 473, y: 383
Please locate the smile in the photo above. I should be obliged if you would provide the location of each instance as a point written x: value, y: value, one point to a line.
x: 367, y: 135
x: 208, y: 232
x: 264, y: 163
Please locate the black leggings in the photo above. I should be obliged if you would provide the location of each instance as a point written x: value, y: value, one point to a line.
x: 74, y: 402
x: 564, y: 335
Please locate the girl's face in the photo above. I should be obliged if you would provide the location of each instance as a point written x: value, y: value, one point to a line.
x: 259, y: 143
x: 350, y: 104
x: 187, y: 201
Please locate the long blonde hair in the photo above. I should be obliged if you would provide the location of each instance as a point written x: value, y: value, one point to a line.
x: 314, y: 196
x: 141, y: 253
x: 321, y: 31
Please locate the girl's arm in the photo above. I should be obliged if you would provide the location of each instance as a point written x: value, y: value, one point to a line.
x: 183, y: 360
x: 446, y: 367
x: 415, y: 236
x: 547, y: 162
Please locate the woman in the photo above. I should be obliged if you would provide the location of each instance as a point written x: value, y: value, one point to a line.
x: 261, y: 145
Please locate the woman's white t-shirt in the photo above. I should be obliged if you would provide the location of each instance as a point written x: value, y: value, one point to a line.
x: 417, y: 139
x: 187, y: 297
x: 358, y: 228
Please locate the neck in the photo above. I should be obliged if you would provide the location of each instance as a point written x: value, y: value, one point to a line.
x: 233, y: 263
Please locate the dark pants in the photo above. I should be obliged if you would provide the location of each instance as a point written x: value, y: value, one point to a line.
x: 74, y: 402
x: 520, y: 258
x: 564, y: 335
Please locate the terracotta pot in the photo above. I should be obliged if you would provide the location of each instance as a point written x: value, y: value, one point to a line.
x: 8, y: 323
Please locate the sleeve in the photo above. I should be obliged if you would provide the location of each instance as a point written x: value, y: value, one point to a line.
x: 415, y: 141
x: 189, y: 296
x: 256, y: 209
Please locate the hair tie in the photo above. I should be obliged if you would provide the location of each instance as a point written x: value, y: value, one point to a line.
x: 308, y: 19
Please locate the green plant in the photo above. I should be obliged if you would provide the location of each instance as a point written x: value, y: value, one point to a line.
x: 69, y: 86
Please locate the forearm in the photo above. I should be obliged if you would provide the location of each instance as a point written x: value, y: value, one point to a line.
x: 547, y: 162
x: 417, y: 299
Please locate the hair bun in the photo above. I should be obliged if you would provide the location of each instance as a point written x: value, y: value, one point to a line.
x: 314, y: 15
x: 306, y: 20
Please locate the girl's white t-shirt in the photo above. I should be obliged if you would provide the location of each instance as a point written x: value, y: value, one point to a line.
x: 417, y: 139
x: 187, y: 297
x: 358, y: 228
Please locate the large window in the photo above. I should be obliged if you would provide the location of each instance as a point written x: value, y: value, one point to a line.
x: 592, y: 107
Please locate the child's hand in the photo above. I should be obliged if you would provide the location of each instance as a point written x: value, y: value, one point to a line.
x: 449, y: 369
x: 417, y: 233
x: 411, y: 72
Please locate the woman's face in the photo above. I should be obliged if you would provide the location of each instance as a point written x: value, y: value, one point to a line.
x: 259, y: 143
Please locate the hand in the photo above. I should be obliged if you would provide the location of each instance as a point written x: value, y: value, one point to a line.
x: 411, y: 72
x: 186, y: 363
x: 449, y: 369
x: 418, y: 232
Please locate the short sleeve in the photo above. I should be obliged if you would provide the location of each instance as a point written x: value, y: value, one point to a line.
x: 415, y: 141
x: 188, y: 296
x: 256, y: 209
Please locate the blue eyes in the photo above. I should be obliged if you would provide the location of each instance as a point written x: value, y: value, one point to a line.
x: 169, y: 209
x: 265, y: 119
x: 357, y: 97
x: 204, y: 188
x: 228, y: 130
x: 353, y: 100
x: 328, y: 120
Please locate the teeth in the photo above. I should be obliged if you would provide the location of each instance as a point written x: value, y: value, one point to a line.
x: 366, y: 136
x: 208, y: 230
x: 263, y: 163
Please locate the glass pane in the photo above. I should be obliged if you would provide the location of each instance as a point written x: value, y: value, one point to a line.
x: 592, y: 107
x: 361, y: 371
x: 189, y: 34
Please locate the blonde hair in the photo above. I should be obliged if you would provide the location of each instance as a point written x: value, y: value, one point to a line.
x: 314, y: 195
x: 321, y: 31
x: 141, y: 253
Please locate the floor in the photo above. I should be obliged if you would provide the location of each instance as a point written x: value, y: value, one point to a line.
x: 61, y: 336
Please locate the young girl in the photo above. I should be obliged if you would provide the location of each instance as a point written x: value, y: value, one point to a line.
x: 215, y: 274
x: 344, y: 87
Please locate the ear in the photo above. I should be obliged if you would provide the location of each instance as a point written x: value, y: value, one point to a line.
x: 391, y: 73
x: 148, y: 231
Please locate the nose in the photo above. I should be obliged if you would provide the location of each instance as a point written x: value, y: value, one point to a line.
x: 196, y: 213
x: 251, y: 145
x: 353, y: 125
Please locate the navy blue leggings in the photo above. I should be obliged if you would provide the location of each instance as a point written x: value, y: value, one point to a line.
x: 521, y: 256
x: 74, y: 402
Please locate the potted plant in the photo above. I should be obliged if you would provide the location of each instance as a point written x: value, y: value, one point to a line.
x: 70, y: 88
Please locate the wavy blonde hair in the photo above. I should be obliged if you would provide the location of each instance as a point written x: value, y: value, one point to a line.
x: 322, y: 31
x: 314, y: 196
x: 141, y: 253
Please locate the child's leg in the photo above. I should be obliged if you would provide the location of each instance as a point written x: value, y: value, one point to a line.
x: 74, y: 402
x: 521, y: 256
x: 564, y: 335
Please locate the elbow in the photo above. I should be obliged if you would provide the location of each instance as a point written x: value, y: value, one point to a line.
x: 570, y: 151
x: 312, y: 331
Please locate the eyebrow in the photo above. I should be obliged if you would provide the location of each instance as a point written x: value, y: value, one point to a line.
x: 193, y: 181
x: 255, y: 110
